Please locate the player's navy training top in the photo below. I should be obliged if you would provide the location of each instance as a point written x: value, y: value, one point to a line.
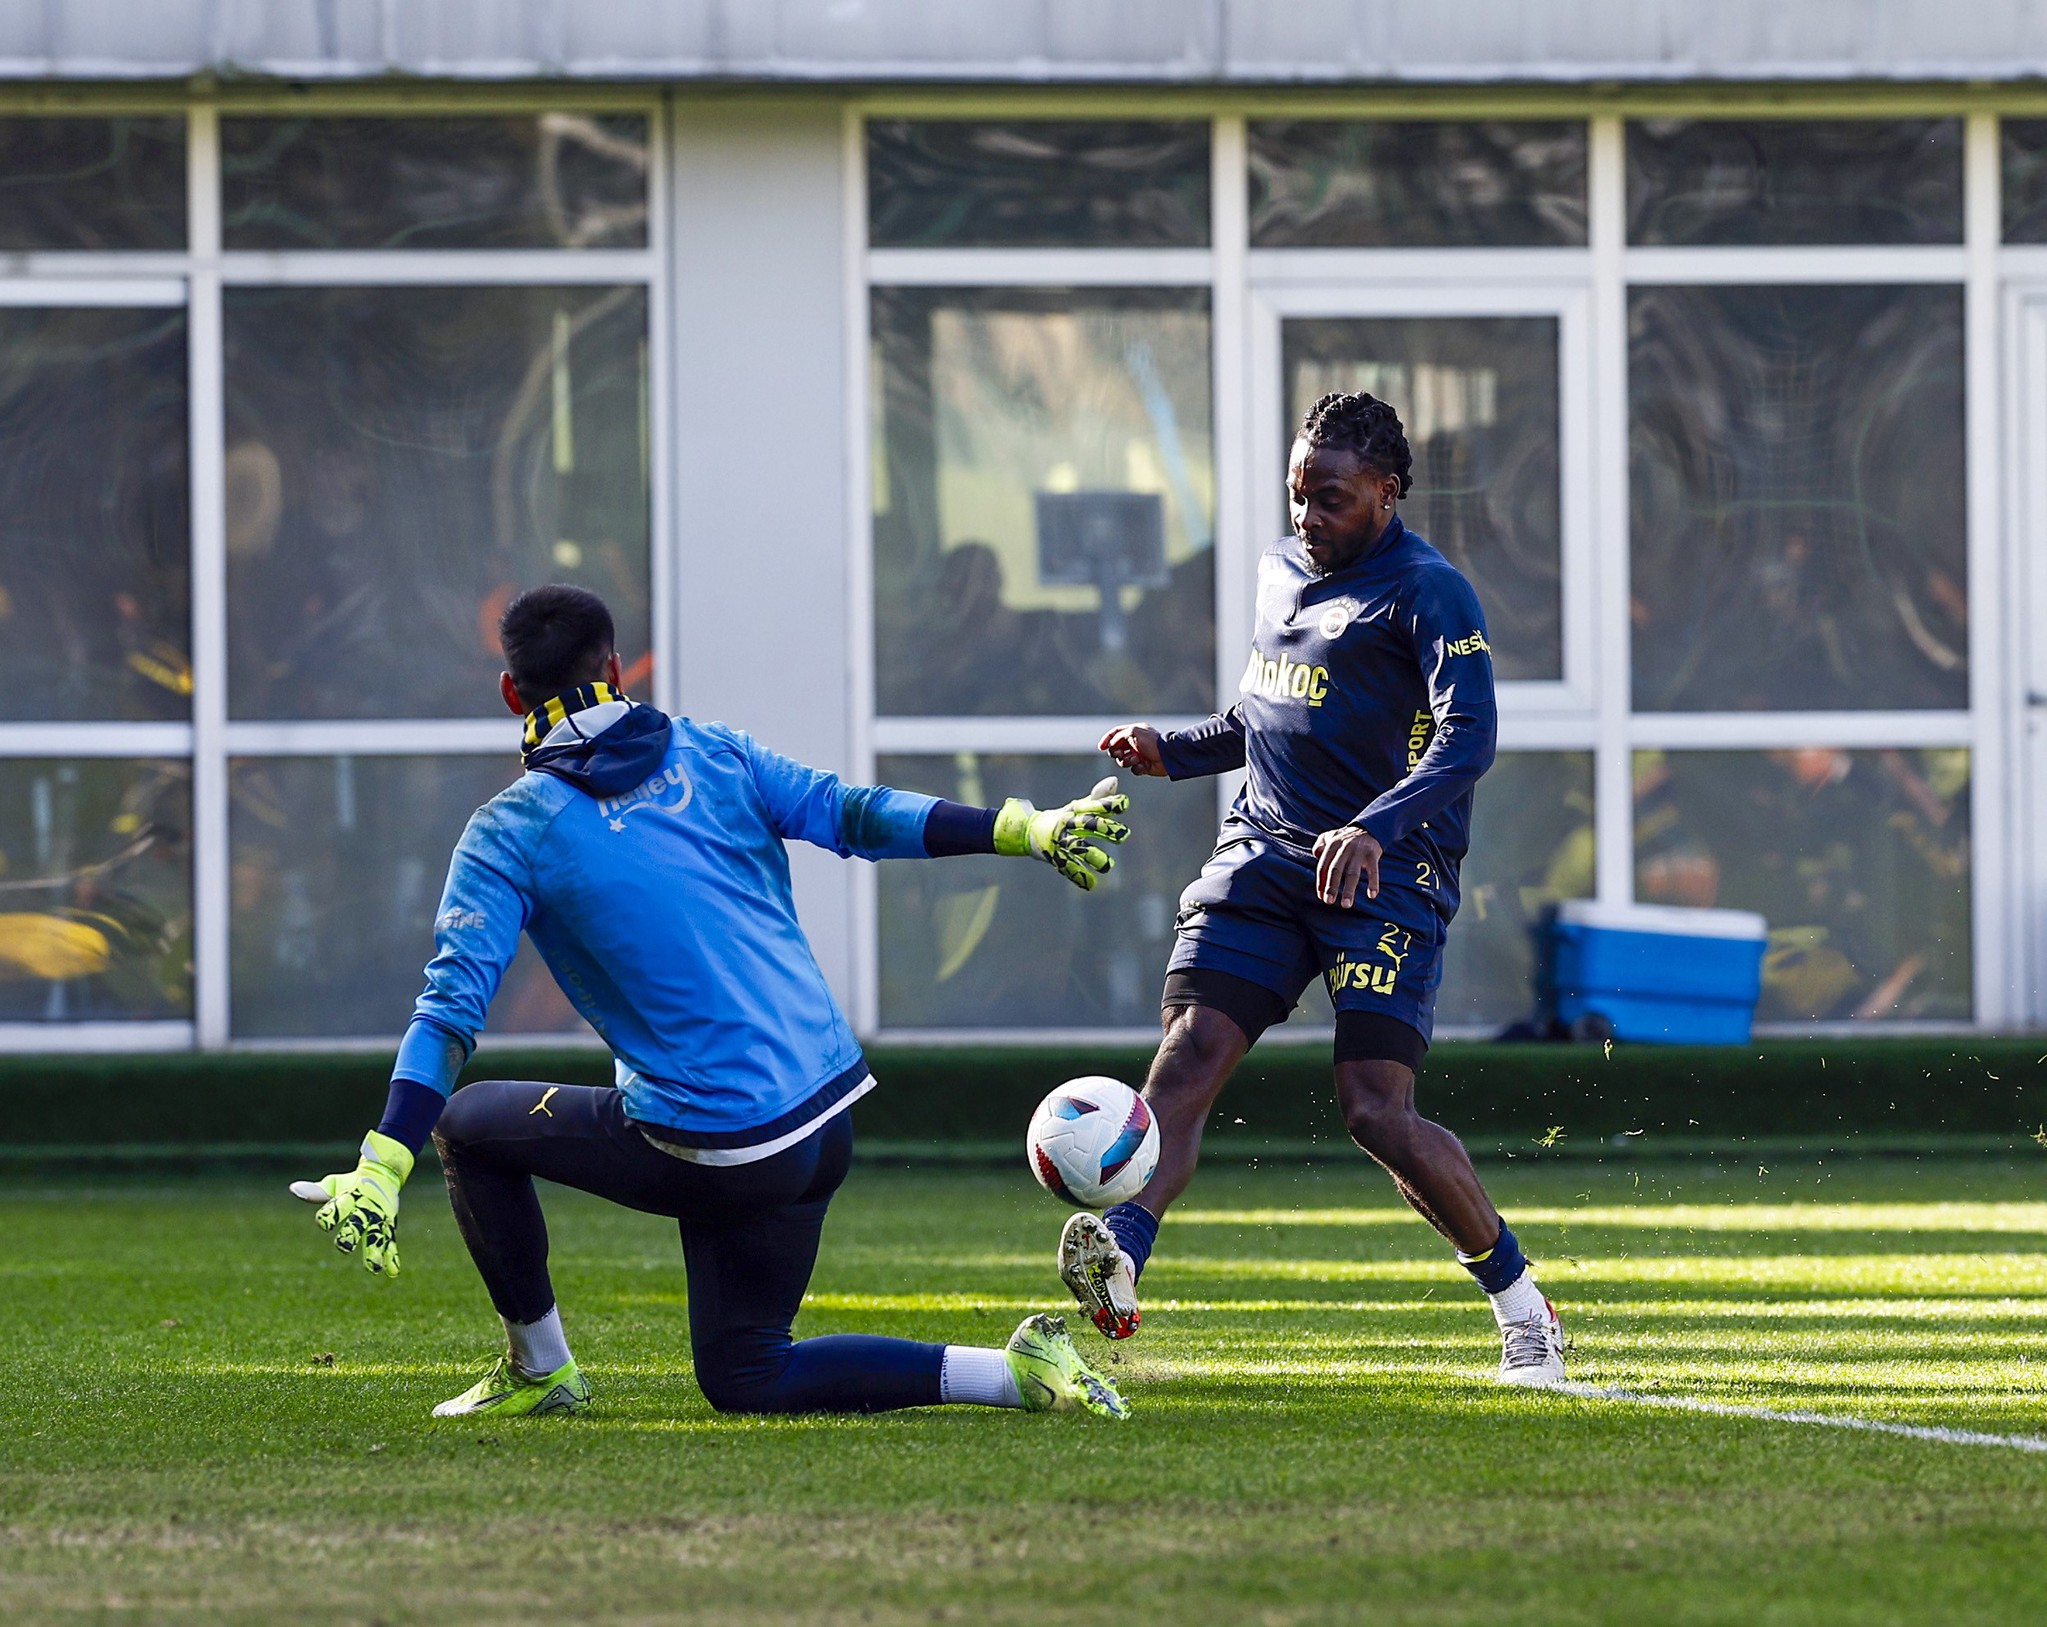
x: 1368, y: 700
x: 648, y: 868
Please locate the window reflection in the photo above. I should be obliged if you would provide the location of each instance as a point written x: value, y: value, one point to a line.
x: 1326, y: 183
x: 990, y: 943
x: 400, y: 462
x: 1043, y: 502
x: 1531, y: 847
x: 1477, y: 397
x: 92, y: 185
x: 95, y: 568
x: 95, y: 890
x: 1859, y: 861
x: 1738, y: 181
x: 2025, y: 180
x: 547, y: 180
x: 338, y: 864
x: 1796, y: 476
x: 1051, y: 183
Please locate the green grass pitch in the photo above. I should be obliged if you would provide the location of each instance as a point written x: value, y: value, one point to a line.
x: 207, y: 1416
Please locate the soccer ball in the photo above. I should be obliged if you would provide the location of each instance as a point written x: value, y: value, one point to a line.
x: 1093, y: 1142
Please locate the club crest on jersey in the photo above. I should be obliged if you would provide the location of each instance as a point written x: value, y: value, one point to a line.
x: 670, y: 790
x: 1285, y: 679
x: 1335, y: 618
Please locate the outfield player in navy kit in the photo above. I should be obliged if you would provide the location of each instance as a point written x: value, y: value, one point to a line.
x: 644, y: 857
x: 1366, y: 718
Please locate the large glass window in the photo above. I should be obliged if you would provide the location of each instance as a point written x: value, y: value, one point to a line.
x: 92, y: 184
x: 990, y: 943
x: 1859, y: 861
x: 1044, y: 496
x: 1324, y: 183
x: 1742, y: 181
x: 1036, y: 183
x: 400, y: 462
x: 95, y: 569
x: 1478, y: 399
x: 531, y: 180
x: 338, y: 864
x: 1531, y: 847
x: 1796, y: 477
x: 2025, y: 180
x: 95, y: 889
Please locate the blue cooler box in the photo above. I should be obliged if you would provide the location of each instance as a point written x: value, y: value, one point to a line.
x: 1657, y: 974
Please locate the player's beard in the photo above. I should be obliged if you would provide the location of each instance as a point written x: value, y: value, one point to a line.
x: 1318, y: 570
x: 1344, y: 563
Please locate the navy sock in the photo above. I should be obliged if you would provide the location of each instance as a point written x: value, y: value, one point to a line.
x: 1500, y: 1267
x: 1135, y: 1229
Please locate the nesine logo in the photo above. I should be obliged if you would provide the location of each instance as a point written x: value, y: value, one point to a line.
x: 1470, y: 644
x: 670, y: 790
x: 1285, y: 680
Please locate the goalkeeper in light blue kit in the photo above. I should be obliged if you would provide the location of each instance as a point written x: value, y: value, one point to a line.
x: 643, y: 855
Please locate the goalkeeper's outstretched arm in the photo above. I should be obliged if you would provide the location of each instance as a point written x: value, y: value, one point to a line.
x: 879, y: 822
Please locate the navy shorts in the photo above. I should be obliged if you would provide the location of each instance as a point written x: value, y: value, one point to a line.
x: 1253, y: 913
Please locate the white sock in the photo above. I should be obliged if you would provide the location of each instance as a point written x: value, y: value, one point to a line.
x: 1521, y: 1300
x: 538, y: 1348
x: 977, y: 1377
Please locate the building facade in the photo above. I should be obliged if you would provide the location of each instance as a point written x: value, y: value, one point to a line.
x: 916, y: 383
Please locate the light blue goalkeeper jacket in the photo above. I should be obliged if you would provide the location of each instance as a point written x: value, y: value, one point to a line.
x: 648, y: 869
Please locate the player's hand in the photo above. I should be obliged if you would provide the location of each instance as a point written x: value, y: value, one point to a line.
x: 1135, y: 746
x: 1056, y: 835
x: 1344, y: 857
x: 360, y: 1206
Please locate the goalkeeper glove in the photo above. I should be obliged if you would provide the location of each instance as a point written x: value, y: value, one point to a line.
x: 360, y: 1207
x: 1055, y: 834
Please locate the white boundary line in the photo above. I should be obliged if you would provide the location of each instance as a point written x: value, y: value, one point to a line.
x: 1826, y: 1420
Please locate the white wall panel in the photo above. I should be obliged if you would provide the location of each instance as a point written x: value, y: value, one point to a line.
x: 761, y: 528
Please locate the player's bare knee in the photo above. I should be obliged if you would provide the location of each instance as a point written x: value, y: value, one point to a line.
x: 1383, y: 1126
x: 1197, y: 1042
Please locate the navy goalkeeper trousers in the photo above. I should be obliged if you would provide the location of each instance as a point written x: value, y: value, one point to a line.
x: 749, y: 1240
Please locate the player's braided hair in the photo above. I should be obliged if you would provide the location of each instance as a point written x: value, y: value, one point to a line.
x: 1365, y: 425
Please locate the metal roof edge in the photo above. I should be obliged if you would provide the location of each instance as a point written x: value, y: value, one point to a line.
x: 1025, y: 75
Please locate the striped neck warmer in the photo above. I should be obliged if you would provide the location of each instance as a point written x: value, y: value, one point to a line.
x: 551, y: 713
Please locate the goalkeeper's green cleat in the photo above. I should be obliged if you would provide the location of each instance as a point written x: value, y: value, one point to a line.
x: 505, y: 1392
x: 1050, y: 1375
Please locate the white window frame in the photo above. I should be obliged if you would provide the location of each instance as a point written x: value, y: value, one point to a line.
x: 870, y: 268
x: 2024, y: 302
x: 196, y: 278
x: 1969, y: 268
x: 1370, y: 293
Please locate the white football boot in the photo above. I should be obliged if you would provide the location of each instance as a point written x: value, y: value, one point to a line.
x: 1099, y: 1275
x: 1532, y: 1350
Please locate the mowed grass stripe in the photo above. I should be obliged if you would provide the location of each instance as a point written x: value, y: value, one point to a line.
x: 1731, y: 1216
x: 225, y: 1417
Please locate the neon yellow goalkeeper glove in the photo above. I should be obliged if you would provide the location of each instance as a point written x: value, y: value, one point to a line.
x: 360, y: 1206
x: 1055, y: 834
